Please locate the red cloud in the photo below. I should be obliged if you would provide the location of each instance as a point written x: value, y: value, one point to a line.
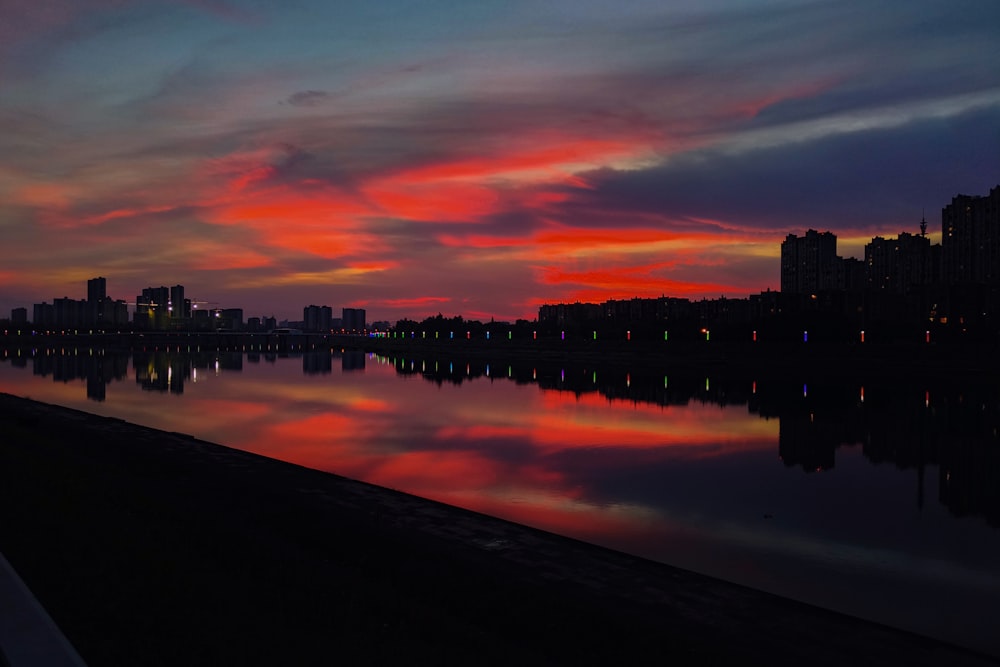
x: 416, y: 301
x: 434, y: 202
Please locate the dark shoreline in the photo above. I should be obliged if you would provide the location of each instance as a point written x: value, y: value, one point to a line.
x: 155, y: 548
x: 820, y: 359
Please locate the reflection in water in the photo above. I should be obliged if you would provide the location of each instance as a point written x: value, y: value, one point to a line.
x: 161, y: 370
x: 97, y: 367
x: 876, y: 497
x: 956, y: 431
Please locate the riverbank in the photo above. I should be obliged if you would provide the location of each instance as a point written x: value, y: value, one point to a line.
x: 155, y: 548
x: 964, y: 359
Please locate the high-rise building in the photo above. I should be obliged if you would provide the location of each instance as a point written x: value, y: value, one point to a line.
x: 900, y: 264
x: 151, y: 308
x: 353, y: 320
x: 854, y: 274
x: 97, y: 295
x: 43, y: 315
x: 809, y: 263
x: 178, y: 306
x: 230, y: 319
x: 317, y: 318
x: 970, y: 239
x: 97, y: 290
x: 69, y: 313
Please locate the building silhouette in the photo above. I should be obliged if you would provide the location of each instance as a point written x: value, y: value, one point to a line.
x: 151, y: 308
x: 353, y: 320
x: 229, y: 319
x: 178, y: 306
x: 905, y: 289
x: 900, y: 264
x: 97, y: 290
x: 97, y: 294
x: 970, y: 239
x: 810, y: 264
x: 317, y: 319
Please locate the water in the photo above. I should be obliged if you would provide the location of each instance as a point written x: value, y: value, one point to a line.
x: 876, y: 498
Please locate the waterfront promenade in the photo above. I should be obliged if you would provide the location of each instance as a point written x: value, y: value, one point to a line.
x: 155, y: 548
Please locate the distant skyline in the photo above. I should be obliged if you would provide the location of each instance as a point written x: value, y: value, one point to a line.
x: 475, y: 158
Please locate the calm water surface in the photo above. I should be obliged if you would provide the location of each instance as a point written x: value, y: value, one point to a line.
x: 880, y: 500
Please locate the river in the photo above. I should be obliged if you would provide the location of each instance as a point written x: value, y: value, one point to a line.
x: 880, y: 499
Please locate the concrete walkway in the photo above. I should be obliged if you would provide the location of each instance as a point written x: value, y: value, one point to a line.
x: 28, y: 637
x: 187, y: 552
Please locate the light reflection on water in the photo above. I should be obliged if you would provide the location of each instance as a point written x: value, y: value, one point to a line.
x: 874, y: 498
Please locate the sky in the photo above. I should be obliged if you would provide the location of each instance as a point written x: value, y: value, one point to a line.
x: 475, y: 158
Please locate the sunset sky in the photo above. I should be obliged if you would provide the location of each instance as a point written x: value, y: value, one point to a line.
x: 475, y: 158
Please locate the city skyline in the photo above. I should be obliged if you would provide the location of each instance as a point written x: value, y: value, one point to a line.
x: 900, y: 278
x: 481, y: 160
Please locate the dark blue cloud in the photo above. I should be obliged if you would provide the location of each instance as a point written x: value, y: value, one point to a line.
x: 868, y: 179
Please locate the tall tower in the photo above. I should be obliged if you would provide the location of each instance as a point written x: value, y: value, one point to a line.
x: 97, y: 290
x: 97, y: 295
x: 176, y: 303
x: 809, y: 263
x: 970, y: 239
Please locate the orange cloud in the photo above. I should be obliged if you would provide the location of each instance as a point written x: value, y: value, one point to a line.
x: 484, y: 242
x: 416, y: 301
x: 123, y: 213
x: 535, y: 158
x: 435, y: 202
x: 625, y: 277
x: 466, y: 189
x: 285, y: 206
x: 219, y: 258
x: 317, y: 221
x: 45, y: 195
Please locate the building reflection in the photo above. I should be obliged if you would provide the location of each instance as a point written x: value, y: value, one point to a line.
x: 909, y: 423
x: 942, y: 426
x: 98, y: 368
x: 352, y: 360
x: 317, y: 362
x: 168, y: 371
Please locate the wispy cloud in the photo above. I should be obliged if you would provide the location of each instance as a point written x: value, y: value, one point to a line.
x: 539, y: 152
x: 308, y: 98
